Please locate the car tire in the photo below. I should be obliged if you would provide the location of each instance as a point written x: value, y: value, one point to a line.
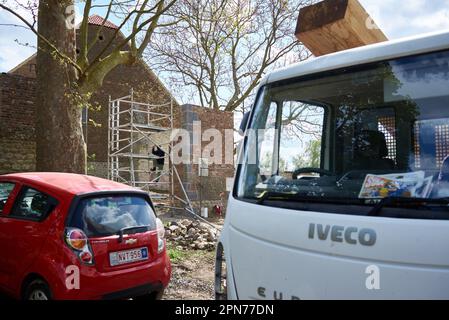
x: 38, y: 290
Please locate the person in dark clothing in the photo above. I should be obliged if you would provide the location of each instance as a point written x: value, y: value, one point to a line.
x: 371, y: 151
x: 159, y: 162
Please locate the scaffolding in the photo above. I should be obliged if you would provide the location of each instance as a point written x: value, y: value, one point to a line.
x: 134, y: 128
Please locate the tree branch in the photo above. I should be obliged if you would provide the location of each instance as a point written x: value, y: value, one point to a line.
x: 48, y: 43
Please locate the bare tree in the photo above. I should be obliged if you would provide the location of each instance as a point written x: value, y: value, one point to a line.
x: 66, y: 80
x: 221, y: 49
x: 299, y: 119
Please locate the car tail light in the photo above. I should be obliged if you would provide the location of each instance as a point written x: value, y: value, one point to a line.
x: 77, y: 240
x: 85, y: 257
x: 160, y: 235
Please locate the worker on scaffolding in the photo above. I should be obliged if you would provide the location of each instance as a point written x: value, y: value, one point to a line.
x: 158, y: 163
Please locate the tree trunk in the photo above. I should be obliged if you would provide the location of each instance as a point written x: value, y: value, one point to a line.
x: 60, y: 145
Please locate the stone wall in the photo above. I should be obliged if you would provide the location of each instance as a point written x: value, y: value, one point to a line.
x: 17, y: 145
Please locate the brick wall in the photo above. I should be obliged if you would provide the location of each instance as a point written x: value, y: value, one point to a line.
x: 17, y: 136
x: 26, y: 69
x: 213, y: 186
x: 118, y: 83
x: 17, y: 146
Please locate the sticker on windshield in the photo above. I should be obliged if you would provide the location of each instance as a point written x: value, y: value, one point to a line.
x: 408, y: 185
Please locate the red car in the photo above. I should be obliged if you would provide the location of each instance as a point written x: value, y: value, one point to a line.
x: 68, y: 236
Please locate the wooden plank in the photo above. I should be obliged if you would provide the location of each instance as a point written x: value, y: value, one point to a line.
x: 334, y: 25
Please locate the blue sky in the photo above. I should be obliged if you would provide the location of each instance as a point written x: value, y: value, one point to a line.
x: 396, y: 18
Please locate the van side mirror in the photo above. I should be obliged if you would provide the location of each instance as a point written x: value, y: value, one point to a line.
x: 244, y: 124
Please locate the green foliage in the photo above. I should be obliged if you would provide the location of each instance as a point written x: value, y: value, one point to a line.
x: 175, y: 254
x: 311, y: 158
x: 90, y: 166
x: 267, y: 161
x: 315, y: 153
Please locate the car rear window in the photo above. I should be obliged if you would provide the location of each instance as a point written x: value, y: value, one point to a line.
x: 105, y: 216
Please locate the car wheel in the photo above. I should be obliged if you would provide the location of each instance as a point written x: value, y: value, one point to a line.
x: 37, y: 290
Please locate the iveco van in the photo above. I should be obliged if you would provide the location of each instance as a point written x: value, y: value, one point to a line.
x: 342, y: 187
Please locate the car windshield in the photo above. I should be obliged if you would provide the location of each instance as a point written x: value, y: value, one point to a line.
x: 104, y: 216
x: 360, y: 134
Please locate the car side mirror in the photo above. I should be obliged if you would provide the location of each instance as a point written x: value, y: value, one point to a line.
x: 244, y: 124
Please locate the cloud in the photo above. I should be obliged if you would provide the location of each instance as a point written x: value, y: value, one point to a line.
x: 12, y: 40
x: 12, y: 50
x: 402, y: 19
x: 397, y: 19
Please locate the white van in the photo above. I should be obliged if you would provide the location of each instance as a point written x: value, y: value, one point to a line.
x: 342, y: 191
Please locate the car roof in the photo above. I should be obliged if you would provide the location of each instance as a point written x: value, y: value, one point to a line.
x: 362, y: 55
x: 69, y: 183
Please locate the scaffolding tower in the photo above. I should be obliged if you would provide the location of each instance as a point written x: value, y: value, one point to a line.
x: 134, y: 128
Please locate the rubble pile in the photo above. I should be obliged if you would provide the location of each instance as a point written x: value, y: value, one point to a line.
x: 193, y: 235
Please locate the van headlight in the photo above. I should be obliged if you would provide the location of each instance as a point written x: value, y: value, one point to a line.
x: 221, y: 292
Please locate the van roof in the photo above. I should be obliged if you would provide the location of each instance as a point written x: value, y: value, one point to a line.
x: 69, y: 183
x: 362, y: 55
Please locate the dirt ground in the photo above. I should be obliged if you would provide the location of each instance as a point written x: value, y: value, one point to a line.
x: 192, y: 276
x: 192, y: 270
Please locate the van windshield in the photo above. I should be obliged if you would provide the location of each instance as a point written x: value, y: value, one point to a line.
x: 105, y: 216
x: 360, y: 134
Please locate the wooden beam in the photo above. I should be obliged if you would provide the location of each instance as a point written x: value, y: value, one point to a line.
x: 335, y: 25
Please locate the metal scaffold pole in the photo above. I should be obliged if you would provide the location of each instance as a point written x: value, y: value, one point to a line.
x: 172, y: 166
x: 134, y: 129
x: 132, y: 143
x: 109, y: 139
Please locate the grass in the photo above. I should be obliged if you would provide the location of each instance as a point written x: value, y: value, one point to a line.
x: 176, y: 255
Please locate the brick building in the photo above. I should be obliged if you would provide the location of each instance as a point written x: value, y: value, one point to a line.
x: 17, y: 114
x: 211, y: 188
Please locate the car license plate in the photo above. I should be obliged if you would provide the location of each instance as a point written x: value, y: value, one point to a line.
x: 128, y: 256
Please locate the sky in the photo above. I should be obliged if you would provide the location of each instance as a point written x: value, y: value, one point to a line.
x: 396, y: 18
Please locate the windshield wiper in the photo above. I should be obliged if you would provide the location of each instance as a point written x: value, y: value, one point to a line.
x: 129, y: 230
x: 401, y: 200
x: 270, y: 195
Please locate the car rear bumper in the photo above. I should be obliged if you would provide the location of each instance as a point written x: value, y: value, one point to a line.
x: 135, y: 292
x: 126, y: 283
